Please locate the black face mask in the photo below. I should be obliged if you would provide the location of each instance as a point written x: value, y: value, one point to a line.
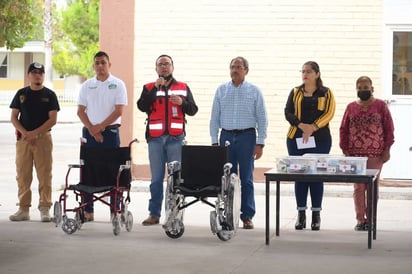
x: 364, y: 95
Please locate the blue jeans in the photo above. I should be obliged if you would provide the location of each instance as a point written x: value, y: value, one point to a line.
x: 240, y: 155
x: 111, y: 138
x: 302, y: 188
x: 162, y: 150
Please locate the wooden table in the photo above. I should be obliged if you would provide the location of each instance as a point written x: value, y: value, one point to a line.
x: 371, y: 178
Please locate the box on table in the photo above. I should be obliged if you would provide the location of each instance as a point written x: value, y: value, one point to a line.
x: 296, y: 164
x: 338, y: 164
x: 322, y: 163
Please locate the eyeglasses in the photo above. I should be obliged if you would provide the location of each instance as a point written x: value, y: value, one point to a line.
x: 306, y: 71
x: 236, y: 67
x: 166, y: 65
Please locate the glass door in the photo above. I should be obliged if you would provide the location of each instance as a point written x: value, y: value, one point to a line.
x: 399, y: 98
x: 402, y: 63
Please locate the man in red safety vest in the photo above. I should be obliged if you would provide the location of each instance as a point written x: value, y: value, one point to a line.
x: 166, y: 102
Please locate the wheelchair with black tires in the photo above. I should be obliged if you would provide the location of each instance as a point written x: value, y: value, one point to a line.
x: 203, y: 172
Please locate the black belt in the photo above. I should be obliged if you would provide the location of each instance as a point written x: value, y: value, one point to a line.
x: 238, y: 131
x: 112, y: 126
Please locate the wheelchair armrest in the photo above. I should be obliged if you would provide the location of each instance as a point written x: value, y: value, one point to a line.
x: 123, y: 167
x: 226, y: 168
x: 174, y: 167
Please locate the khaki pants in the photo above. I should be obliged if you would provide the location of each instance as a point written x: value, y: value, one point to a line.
x: 38, y: 154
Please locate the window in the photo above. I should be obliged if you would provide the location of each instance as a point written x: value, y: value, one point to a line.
x: 402, y: 63
x: 3, y: 65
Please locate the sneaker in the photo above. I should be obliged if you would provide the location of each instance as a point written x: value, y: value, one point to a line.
x: 361, y: 227
x: 44, y: 214
x: 20, y: 215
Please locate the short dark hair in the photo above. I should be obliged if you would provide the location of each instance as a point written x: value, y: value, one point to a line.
x: 101, y: 54
x: 164, y: 55
x: 364, y: 78
x: 243, y: 59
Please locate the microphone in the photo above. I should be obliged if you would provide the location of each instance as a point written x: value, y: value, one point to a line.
x: 166, y: 78
x: 161, y: 86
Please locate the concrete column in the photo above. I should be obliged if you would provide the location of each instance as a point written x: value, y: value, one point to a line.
x: 117, y: 39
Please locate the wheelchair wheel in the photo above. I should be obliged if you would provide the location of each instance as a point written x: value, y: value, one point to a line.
x: 57, y: 213
x: 213, y: 222
x: 79, y: 217
x: 225, y: 235
x: 116, y: 225
x: 129, y: 221
x: 169, y: 196
x: 177, y: 230
x: 69, y: 226
x: 232, y: 204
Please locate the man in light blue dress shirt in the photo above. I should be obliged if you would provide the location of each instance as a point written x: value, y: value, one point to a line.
x: 239, y: 113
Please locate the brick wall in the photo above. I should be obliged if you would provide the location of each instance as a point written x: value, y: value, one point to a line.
x: 277, y: 37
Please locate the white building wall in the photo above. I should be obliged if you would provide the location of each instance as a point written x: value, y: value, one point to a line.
x: 277, y: 37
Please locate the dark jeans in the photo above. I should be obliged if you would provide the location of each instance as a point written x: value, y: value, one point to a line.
x: 240, y: 154
x: 301, y: 187
x: 111, y: 138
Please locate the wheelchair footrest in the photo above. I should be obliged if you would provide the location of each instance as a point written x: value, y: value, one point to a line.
x: 204, y: 191
x: 90, y: 189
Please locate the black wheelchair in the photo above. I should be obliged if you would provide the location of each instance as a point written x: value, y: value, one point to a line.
x: 203, y: 172
x: 103, y: 173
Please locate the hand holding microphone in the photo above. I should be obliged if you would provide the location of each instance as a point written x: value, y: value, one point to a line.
x: 162, y: 80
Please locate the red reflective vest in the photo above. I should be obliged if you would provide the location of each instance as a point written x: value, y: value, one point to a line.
x: 165, y: 115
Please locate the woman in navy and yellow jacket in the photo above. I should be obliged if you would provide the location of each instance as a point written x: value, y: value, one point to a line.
x: 309, y: 109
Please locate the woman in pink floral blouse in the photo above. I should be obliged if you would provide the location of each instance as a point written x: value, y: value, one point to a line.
x: 366, y: 131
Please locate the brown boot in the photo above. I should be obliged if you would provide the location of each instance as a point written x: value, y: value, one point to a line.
x: 88, y: 217
x: 151, y: 220
x: 247, y: 223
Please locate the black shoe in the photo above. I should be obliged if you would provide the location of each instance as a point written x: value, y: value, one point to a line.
x: 301, y: 221
x: 315, y: 220
x: 362, y: 227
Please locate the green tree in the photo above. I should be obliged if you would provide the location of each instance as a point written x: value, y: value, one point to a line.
x: 78, y: 40
x: 18, y: 22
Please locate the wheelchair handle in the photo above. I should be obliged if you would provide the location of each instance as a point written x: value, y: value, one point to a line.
x: 135, y: 140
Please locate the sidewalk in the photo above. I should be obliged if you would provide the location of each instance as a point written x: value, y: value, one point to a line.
x: 37, y: 247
